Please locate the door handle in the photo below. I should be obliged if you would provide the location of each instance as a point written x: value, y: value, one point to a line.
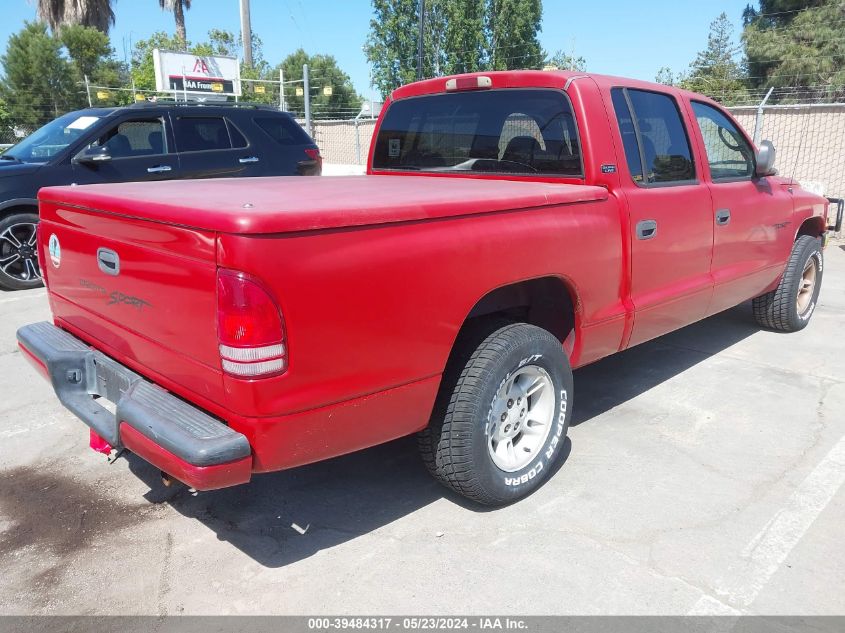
x: 248, y: 159
x: 108, y: 261
x: 159, y: 169
x: 723, y: 217
x: 646, y: 229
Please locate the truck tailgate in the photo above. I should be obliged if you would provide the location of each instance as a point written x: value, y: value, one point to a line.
x: 142, y: 291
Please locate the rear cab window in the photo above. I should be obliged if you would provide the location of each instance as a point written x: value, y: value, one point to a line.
x: 515, y: 131
x: 655, y: 141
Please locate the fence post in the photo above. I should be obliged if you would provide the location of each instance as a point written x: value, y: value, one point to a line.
x: 758, y: 121
x: 357, y: 143
x: 307, y: 94
x: 88, y: 91
x: 281, y: 89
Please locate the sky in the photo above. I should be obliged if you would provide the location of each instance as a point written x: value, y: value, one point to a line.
x: 618, y: 37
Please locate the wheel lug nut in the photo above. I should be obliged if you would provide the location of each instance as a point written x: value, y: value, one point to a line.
x: 504, y: 417
x: 510, y: 403
x: 519, y: 400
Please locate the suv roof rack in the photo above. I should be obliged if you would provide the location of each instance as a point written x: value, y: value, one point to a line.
x: 202, y: 104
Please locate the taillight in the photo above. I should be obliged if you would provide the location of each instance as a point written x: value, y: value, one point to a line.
x: 314, y: 154
x: 250, y: 328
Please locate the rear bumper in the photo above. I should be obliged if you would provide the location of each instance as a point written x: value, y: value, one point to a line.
x: 174, y: 436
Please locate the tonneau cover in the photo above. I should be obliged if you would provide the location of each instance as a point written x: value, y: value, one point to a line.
x: 285, y: 204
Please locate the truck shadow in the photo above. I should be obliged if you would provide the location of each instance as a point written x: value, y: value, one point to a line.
x: 338, y: 500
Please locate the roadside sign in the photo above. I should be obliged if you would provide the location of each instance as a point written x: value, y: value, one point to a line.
x: 259, y: 90
x: 300, y: 91
x: 197, y: 74
x: 102, y: 95
x: 327, y: 90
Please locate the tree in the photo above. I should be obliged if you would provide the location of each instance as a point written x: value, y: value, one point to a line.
x: 90, y: 55
x: 459, y: 36
x: 715, y: 70
x: 323, y: 71
x: 512, y: 27
x: 391, y: 46
x: 59, y: 13
x: 566, y: 61
x: 38, y: 81
x: 178, y: 7
x: 665, y: 76
x: 800, y: 53
x: 465, y: 42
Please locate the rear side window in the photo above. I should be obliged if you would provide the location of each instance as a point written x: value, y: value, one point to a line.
x: 629, y: 134
x: 283, y: 130
x: 238, y: 139
x: 512, y: 131
x: 197, y: 134
x: 730, y: 156
x: 662, y: 140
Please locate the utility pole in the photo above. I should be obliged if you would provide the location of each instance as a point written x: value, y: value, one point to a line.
x: 246, y: 33
x: 420, y: 41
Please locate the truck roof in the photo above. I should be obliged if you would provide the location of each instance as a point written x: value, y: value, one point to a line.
x: 558, y: 79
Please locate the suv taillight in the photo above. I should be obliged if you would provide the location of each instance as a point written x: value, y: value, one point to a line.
x: 314, y: 154
x: 250, y: 328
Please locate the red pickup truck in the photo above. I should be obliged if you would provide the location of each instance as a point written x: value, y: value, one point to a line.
x: 512, y: 226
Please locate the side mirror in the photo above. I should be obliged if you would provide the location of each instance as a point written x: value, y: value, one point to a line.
x: 90, y: 155
x: 765, y: 159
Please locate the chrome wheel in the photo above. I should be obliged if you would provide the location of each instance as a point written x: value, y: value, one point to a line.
x: 807, y: 286
x: 522, y: 417
x: 19, y: 252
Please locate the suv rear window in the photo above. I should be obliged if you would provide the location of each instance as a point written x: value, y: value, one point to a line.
x: 283, y: 130
x: 514, y: 131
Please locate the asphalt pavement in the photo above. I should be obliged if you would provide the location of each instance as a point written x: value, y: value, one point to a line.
x: 704, y: 474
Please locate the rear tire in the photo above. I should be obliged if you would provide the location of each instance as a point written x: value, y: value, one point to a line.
x: 788, y: 307
x: 501, y: 418
x: 19, y: 268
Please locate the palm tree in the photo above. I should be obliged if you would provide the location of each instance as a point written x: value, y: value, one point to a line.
x: 178, y: 8
x: 59, y: 13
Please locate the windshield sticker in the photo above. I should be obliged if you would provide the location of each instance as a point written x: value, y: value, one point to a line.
x: 394, y: 147
x: 83, y: 123
x: 55, y: 250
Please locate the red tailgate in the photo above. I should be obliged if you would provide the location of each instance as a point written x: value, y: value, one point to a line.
x: 143, y: 292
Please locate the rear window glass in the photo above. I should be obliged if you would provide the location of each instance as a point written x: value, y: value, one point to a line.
x: 514, y: 131
x: 283, y: 130
x: 196, y: 134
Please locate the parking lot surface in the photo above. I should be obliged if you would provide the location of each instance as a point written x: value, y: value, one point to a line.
x: 703, y: 474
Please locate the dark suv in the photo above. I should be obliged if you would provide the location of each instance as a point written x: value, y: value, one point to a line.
x: 141, y: 142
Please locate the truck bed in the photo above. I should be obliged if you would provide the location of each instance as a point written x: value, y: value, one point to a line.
x: 279, y: 205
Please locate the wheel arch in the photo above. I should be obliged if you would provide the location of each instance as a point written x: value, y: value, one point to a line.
x: 549, y: 302
x: 18, y: 205
x: 814, y: 226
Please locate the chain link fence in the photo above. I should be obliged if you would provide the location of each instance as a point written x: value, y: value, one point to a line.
x: 809, y: 138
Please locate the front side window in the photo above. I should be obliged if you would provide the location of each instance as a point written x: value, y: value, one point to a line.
x: 198, y: 134
x: 730, y: 156
x: 512, y: 131
x: 135, y: 138
x: 662, y: 140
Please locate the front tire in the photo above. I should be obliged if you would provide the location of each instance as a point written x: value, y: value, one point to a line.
x: 788, y: 307
x: 19, y: 253
x: 501, y: 418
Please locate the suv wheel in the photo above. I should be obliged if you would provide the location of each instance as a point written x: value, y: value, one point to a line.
x: 18, y: 252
